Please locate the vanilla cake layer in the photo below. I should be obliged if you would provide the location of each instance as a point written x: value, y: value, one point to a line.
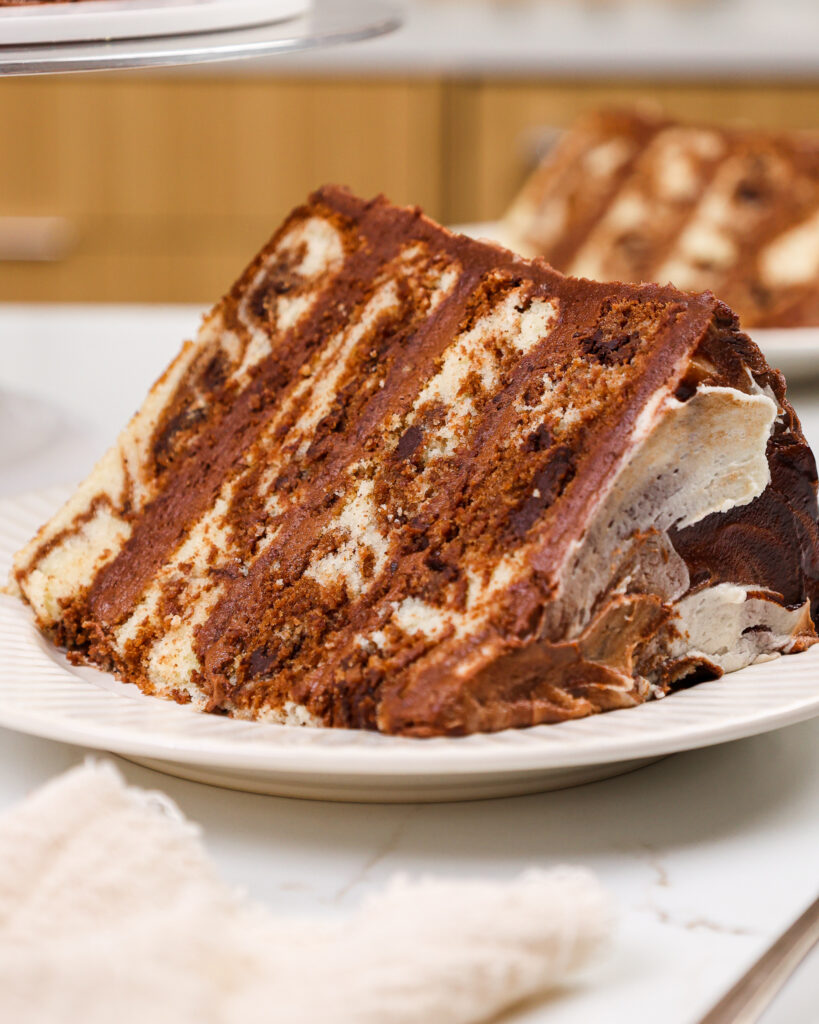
x: 631, y: 197
x: 407, y: 481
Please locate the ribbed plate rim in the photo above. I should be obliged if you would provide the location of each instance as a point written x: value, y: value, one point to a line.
x: 41, y: 694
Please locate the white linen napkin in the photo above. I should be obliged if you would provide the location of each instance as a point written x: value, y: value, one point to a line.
x: 111, y: 911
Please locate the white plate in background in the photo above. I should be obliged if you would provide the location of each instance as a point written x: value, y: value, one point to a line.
x: 793, y: 350
x: 488, y: 230
x: 101, y: 20
x: 42, y: 694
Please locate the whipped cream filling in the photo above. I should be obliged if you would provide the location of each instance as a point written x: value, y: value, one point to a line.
x: 688, y: 460
x: 732, y: 626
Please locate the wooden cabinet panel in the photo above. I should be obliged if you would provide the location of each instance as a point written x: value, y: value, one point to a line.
x: 132, y: 259
x: 169, y: 184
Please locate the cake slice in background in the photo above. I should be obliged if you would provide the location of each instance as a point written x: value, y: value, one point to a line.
x: 408, y: 481
x: 629, y: 197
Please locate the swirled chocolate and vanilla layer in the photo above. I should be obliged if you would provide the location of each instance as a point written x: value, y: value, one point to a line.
x: 407, y: 481
x: 629, y: 197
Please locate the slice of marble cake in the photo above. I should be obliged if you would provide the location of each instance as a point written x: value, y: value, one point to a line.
x: 408, y: 481
x: 635, y: 197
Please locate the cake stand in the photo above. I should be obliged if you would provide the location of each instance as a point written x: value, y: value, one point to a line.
x: 328, y: 22
x: 28, y: 429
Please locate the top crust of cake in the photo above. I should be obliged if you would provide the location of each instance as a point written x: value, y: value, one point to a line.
x: 631, y: 197
x: 409, y: 481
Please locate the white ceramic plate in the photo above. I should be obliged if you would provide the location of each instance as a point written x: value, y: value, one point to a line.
x: 93, y: 20
x: 793, y: 350
x: 40, y: 693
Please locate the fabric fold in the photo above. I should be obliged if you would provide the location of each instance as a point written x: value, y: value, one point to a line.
x: 110, y: 909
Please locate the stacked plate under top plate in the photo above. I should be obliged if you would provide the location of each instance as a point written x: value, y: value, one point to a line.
x: 49, y: 22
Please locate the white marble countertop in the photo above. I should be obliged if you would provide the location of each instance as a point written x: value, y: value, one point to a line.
x: 708, y: 854
x: 592, y: 38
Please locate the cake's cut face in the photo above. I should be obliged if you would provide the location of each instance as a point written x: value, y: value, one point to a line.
x: 407, y: 481
x: 632, y: 198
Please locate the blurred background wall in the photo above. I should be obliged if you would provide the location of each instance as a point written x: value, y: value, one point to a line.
x: 160, y: 186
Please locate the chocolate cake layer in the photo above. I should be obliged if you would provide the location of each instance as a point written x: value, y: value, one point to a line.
x: 631, y: 197
x: 407, y: 481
